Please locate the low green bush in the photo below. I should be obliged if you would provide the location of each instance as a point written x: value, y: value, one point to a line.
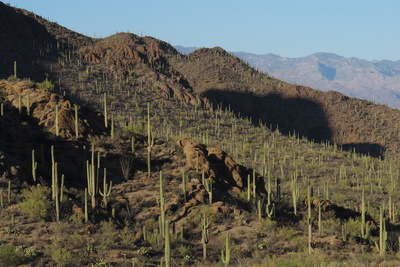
x: 9, y: 255
x: 60, y: 255
x: 35, y: 202
x: 46, y: 85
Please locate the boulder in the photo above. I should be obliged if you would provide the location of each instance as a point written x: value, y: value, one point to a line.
x: 219, y: 166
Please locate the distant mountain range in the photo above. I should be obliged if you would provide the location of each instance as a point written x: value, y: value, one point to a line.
x: 378, y: 81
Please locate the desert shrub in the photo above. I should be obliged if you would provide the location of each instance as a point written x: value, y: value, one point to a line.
x: 154, y: 241
x: 9, y: 255
x: 287, y: 233
x: 29, y: 83
x: 100, y: 263
x: 151, y: 224
x: 46, y: 85
x: 77, y: 240
x: 127, y: 237
x: 74, y: 90
x: 61, y: 256
x: 109, y: 233
x: 35, y: 203
x: 183, y: 250
x: 353, y: 227
x: 268, y: 225
x: 145, y: 251
x: 12, y: 78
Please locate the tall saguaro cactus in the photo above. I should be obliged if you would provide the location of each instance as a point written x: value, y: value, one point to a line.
x: 167, y: 252
x: 106, y: 188
x: 28, y: 105
x: 105, y: 111
x: 270, y: 207
x: 227, y: 257
x: 57, y: 123
x: 150, y: 140
x: 162, y: 203
x: 309, y: 220
x: 91, y: 179
x: 34, y: 166
x: 295, y: 194
x: 365, y: 230
x: 205, y: 236
x: 382, y: 233
x: 76, y: 123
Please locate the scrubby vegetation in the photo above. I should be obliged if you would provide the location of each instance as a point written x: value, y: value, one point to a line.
x: 130, y: 153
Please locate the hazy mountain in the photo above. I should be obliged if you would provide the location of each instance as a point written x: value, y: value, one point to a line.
x: 378, y: 81
x: 374, y: 80
x: 185, y: 50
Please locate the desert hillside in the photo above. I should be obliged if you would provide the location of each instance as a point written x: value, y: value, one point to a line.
x: 120, y: 151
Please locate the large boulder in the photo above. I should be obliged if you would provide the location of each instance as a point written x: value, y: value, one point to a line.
x: 219, y: 166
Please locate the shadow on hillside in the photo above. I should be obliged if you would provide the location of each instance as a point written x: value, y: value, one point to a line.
x: 22, y: 40
x: 298, y: 116
x: 374, y: 150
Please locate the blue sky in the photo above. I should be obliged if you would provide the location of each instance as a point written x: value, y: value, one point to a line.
x: 293, y: 28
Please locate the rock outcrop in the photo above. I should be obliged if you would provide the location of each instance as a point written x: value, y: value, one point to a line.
x: 219, y: 166
x: 42, y: 105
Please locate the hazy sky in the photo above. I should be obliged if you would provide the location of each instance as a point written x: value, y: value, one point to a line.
x: 294, y: 28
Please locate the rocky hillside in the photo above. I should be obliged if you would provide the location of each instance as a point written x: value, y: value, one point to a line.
x: 121, y: 151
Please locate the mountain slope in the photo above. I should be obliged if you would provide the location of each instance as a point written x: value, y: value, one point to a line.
x: 378, y: 81
x: 169, y: 118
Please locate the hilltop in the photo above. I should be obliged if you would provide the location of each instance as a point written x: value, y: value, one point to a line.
x: 139, y: 150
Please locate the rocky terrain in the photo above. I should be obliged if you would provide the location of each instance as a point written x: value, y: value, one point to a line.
x: 121, y: 151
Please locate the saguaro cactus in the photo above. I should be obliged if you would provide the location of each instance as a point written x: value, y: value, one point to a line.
x: 227, y: 257
x: 270, y: 207
x: 86, y: 206
x: 57, y: 123
x: 205, y: 236
x: 112, y: 128
x: 34, y: 166
x: 365, y: 230
x: 53, y: 173
x: 28, y: 105
x: 382, y: 233
x: 162, y: 216
x: 150, y: 140
x: 319, y: 220
x: 295, y: 193
x: 76, y: 123
x: 19, y: 104
x: 106, y: 188
x: 248, y: 188
x: 1, y: 199
x: 208, y: 184
x: 105, y: 111
x: 91, y: 179
x: 309, y: 221
x: 167, y: 252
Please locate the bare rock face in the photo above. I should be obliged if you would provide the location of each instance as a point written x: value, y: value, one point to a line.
x: 169, y: 89
x: 219, y: 166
